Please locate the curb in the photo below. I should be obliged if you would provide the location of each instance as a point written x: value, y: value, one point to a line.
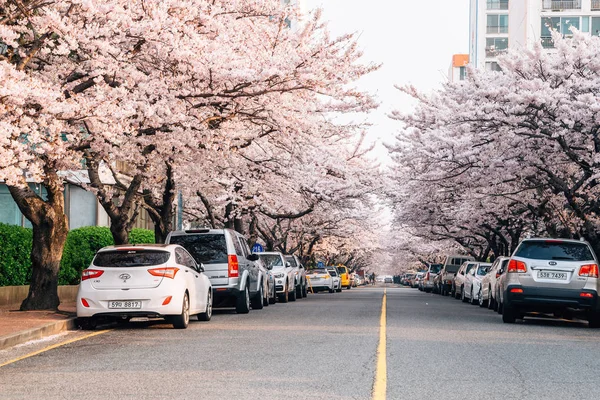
x: 40, y: 332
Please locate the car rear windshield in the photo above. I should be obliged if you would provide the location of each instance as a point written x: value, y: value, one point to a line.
x: 554, y: 250
x: 205, y: 248
x: 131, y: 258
x: 435, y: 268
x: 271, y: 260
x: 318, y: 271
x: 333, y: 272
x: 291, y: 260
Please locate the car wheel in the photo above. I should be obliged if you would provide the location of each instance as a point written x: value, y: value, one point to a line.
x: 509, y: 315
x: 332, y: 290
x: 87, y: 324
x: 242, y: 305
x: 482, y: 303
x: 594, y: 320
x: 304, y: 291
x: 453, y: 291
x: 285, y: 296
x: 293, y: 294
x: 473, y: 301
x: 495, y: 305
x: 207, y: 315
x: 182, y: 320
x: 338, y: 290
x: 462, y: 294
x: 490, y: 304
x: 257, y: 301
x: 299, y: 291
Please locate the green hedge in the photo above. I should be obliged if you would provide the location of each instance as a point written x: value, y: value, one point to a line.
x: 15, y: 251
x: 82, y: 244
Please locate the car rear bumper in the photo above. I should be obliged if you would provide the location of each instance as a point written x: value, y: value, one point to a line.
x: 549, y: 299
x: 152, y: 303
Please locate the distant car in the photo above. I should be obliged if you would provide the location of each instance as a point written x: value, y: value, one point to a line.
x: 489, y: 282
x: 450, y: 267
x: 432, y: 271
x: 552, y: 276
x: 388, y: 280
x: 472, y: 285
x: 283, y: 273
x: 344, y: 276
x: 153, y: 281
x: 237, y: 280
x: 320, y: 279
x: 337, y: 282
x: 299, y: 273
x: 416, y: 279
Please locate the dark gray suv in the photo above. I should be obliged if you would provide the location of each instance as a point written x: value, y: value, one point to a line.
x: 236, y: 277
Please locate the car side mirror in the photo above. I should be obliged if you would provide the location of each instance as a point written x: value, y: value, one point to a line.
x: 287, y: 264
x: 269, y: 267
x: 252, y: 257
x: 201, y: 267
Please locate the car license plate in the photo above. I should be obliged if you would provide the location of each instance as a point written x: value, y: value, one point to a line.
x: 316, y: 278
x: 131, y: 304
x: 561, y: 276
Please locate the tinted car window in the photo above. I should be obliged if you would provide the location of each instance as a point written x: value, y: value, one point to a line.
x: 554, y: 250
x: 205, y: 248
x: 333, y: 272
x: 271, y: 260
x: 435, y: 268
x: 131, y: 258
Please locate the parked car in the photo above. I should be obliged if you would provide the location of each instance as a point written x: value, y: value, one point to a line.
x: 432, y: 271
x: 472, y: 285
x: 458, y: 282
x: 488, y: 284
x: 337, y: 282
x: 388, y: 279
x: 344, y: 276
x: 416, y: 279
x: 320, y: 279
x: 236, y: 279
x: 283, y: 273
x: 299, y: 274
x: 552, y: 276
x: 450, y: 267
x: 154, y: 281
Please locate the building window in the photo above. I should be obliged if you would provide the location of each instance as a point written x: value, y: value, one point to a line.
x: 559, y: 5
x: 492, y: 66
x: 595, y: 26
x: 560, y: 24
x: 495, y: 46
x: 462, y: 73
x: 497, y: 23
x: 497, y: 4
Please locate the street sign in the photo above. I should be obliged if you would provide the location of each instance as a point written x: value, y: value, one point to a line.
x: 320, y: 264
x: 257, y: 248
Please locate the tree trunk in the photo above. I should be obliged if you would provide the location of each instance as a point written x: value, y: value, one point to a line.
x: 162, y: 214
x: 50, y: 228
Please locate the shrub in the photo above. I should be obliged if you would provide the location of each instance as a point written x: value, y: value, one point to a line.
x: 15, y: 251
x: 141, y: 236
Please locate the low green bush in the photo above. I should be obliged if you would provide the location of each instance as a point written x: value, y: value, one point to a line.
x: 80, y: 248
x: 15, y: 252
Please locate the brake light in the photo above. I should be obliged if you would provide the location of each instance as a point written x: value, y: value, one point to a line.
x: 516, y: 290
x: 90, y: 274
x: 169, y: 272
x: 86, y: 304
x: 516, y: 266
x: 233, y: 266
x: 586, y: 295
x: 427, y: 277
x: 589, y: 270
x: 167, y: 300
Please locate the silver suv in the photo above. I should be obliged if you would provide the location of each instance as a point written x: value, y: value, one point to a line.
x: 299, y: 274
x: 551, y: 276
x: 237, y: 279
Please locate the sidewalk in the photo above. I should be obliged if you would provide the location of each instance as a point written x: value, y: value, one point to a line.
x: 18, y: 327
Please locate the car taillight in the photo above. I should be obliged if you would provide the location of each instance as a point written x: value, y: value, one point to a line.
x: 427, y: 277
x: 586, y: 295
x: 90, y: 274
x: 85, y: 302
x: 516, y: 266
x: 589, y: 270
x: 516, y: 290
x: 168, y: 272
x: 233, y: 266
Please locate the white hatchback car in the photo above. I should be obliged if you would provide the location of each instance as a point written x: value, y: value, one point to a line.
x: 151, y: 281
x: 319, y: 279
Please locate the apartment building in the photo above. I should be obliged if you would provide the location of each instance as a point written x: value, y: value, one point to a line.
x: 497, y: 25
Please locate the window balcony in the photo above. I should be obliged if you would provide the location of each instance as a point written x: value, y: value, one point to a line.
x: 547, y: 42
x: 498, y: 29
x: 560, y: 5
x: 494, y: 52
x: 595, y: 5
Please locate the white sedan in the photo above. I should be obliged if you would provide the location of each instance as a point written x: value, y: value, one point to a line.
x: 472, y: 285
x: 150, y: 281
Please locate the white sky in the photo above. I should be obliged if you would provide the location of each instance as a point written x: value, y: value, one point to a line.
x: 414, y: 39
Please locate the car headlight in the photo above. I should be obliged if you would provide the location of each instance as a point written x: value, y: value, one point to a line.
x: 278, y: 275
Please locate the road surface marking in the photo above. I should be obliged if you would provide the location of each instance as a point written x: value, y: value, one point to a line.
x: 54, y: 346
x: 380, y: 385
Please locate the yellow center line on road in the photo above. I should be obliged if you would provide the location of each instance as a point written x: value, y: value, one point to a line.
x: 380, y: 384
x: 54, y: 346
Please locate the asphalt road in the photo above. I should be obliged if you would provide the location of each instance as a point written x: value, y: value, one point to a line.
x: 322, y: 347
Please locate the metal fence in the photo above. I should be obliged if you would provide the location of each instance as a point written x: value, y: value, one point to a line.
x: 562, y: 5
